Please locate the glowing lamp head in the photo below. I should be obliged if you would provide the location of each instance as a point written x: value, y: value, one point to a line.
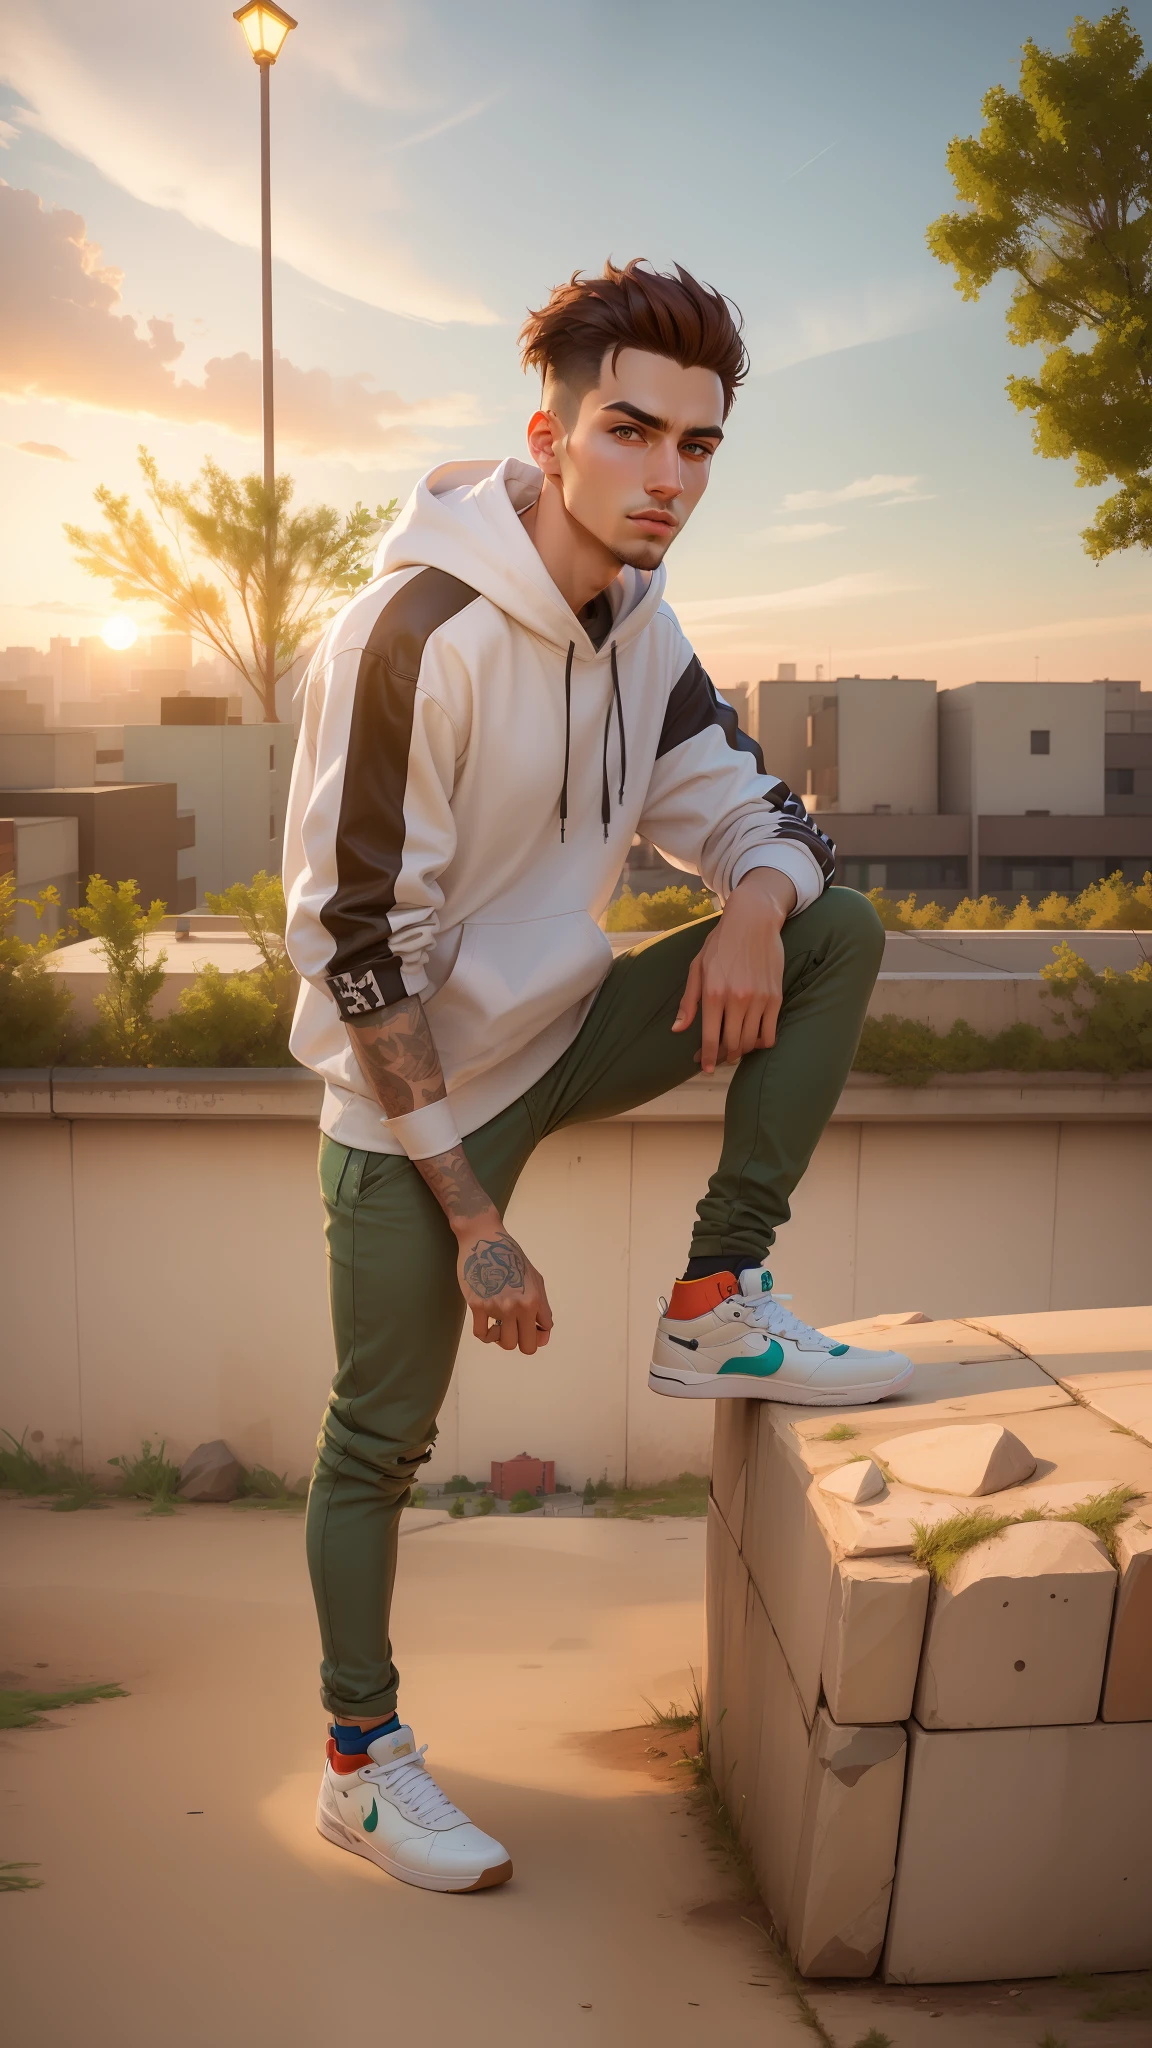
x: 266, y: 26
x: 120, y: 633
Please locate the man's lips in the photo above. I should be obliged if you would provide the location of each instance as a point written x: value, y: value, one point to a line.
x: 660, y: 522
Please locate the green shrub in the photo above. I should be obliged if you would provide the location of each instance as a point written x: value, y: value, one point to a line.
x: 1110, y: 905
x: 1113, y: 1034
x: 457, y: 1508
x: 460, y: 1483
x: 485, y: 1505
x: 522, y: 1503
x: 22, y: 1472
x: 589, y: 1494
x: 35, y: 1005
x: 661, y: 911
x: 224, y: 1020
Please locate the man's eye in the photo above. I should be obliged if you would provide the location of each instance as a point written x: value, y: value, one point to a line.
x: 703, y: 448
x: 630, y: 432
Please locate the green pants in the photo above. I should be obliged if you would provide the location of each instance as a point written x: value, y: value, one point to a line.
x: 397, y: 1312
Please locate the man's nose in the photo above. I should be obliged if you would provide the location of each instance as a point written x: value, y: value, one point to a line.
x: 662, y: 478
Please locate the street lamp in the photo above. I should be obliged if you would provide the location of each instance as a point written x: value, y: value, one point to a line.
x: 266, y: 27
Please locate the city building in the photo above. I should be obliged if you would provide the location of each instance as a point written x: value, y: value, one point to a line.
x: 232, y: 778
x: 1127, y: 750
x: 124, y: 830
x: 19, y: 713
x: 40, y: 853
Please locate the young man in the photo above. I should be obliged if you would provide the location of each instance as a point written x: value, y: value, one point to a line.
x: 486, y: 726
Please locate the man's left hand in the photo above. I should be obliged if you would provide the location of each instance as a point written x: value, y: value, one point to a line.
x: 736, y: 979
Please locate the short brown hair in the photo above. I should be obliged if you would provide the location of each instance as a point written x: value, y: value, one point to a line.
x: 635, y: 307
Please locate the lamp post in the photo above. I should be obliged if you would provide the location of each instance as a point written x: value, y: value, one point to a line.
x: 266, y: 27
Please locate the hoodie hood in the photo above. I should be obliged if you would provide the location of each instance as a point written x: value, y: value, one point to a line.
x: 464, y: 518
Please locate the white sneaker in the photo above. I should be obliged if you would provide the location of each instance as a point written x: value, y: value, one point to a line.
x: 722, y: 1339
x: 391, y: 1810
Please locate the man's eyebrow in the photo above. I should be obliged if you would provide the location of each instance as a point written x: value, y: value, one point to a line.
x: 649, y: 419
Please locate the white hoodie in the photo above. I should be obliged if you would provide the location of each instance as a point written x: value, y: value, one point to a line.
x: 472, y: 767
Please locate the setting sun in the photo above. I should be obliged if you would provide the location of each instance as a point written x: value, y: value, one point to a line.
x: 119, y: 632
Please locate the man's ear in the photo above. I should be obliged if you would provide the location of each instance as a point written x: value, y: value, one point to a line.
x: 545, y: 434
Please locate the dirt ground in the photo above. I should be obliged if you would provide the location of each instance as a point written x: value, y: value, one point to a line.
x: 186, y: 1899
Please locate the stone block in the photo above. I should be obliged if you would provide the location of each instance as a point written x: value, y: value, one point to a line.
x: 725, y: 1602
x: 885, y: 1527
x: 210, y: 1472
x: 733, y: 1443
x: 1023, y: 1852
x: 860, y: 1480
x: 962, y: 1458
x: 872, y: 1640
x: 771, y: 1816
x: 1128, y: 1676
x: 924, y: 1342
x: 1018, y: 1635
x: 786, y: 1551
x: 846, y: 1856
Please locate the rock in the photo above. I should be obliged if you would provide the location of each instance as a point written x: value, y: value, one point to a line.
x: 1017, y: 1636
x: 847, y: 1849
x: 872, y: 1640
x: 964, y: 1458
x: 1128, y: 1681
x: 210, y: 1472
x: 860, y: 1480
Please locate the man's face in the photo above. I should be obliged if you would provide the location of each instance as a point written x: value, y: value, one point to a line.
x: 632, y: 457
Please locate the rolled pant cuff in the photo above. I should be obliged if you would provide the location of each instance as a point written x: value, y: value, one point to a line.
x: 381, y: 1708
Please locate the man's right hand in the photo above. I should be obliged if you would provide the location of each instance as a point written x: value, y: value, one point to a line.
x: 501, y: 1287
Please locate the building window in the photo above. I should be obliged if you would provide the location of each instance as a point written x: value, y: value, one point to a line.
x: 1117, y: 781
x: 903, y: 871
x: 1041, y: 741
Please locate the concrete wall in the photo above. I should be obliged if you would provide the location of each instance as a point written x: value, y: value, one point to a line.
x: 985, y: 731
x: 778, y: 719
x: 162, y: 1263
x: 887, y: 744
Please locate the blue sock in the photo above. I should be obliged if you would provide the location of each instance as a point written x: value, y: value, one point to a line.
x: 354, y: 1741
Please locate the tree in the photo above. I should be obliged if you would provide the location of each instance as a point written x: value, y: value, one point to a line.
x: 1059, y: 190
x: 125, y: 1035
x: 280, y: 574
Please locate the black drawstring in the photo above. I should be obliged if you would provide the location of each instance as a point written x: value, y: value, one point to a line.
x: 615, y: 699
x: 620, y: 721
x: 567, y: 737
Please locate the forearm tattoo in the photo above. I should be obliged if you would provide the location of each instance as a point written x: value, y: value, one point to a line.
x: 493, y: 1264
x: 454, y: 1185
x: 398, y: 1054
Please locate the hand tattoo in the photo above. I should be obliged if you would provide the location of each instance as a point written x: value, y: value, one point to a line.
x: 494, y: 1264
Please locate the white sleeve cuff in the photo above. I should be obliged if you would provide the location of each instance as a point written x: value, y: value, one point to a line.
x: 426, y: 1132
x: 794, y: 861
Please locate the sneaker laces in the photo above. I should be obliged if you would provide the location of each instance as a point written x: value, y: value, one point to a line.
x: 413, y: 1788
x: 768, y: 1313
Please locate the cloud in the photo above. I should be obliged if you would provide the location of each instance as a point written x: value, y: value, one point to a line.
x: 863, y: 487
x: 837, y: 590
x: 854, y: 318
x: 169, y: 114
x: 811, y: 529
x: 59, y: 607
x: 47, y: 448
x: 63, y: 337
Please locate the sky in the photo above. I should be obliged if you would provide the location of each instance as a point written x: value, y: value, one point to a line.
x: 876, y: 508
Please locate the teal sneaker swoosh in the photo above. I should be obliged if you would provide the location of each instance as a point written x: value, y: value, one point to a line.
x: 370, y: 1819
x: 761, y: 1368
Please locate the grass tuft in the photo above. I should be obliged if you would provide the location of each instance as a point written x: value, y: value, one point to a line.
x: 940, y: 1547
x: 1103, y: 1514
x: 21, y: 1471
x: 673, y: 1719
x: 874, y: 2039
x: 150, y: 1476
x: 23, y: 1709
x: 12, y: 1878
x: 840, y: 1433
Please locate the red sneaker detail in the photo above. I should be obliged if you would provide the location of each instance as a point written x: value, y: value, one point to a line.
x: 691, y: 1298
x: 344, y: 1766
